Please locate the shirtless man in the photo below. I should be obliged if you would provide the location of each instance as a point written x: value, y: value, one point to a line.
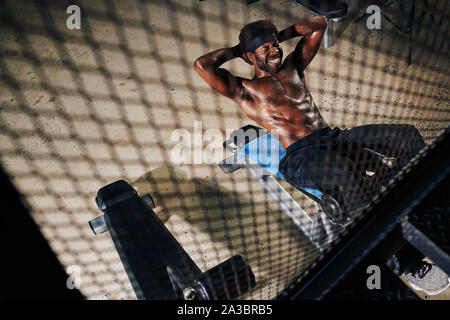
x: 277, y: 98
x: 316, y: 155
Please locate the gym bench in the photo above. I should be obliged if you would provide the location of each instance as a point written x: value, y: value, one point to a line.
x: 333, y: 10
x: 259, y: 152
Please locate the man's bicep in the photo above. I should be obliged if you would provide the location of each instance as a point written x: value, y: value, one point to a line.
x: 223, y: 82
x: 307, y: 48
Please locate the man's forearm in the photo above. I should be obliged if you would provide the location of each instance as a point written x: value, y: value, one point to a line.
x: 218, y: 57
x: 303, y: 28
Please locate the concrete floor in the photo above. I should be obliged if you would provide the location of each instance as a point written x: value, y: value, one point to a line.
x: 82, y: 108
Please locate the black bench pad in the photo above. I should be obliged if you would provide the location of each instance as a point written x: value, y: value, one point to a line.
x: 329, y: 8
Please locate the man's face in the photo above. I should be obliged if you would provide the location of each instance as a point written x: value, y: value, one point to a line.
x: 269, y: 56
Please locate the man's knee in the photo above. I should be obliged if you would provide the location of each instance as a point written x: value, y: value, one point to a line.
x: 412, y: 133
x: 410, y: 128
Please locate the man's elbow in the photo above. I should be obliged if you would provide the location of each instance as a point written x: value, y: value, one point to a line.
x: 322, y: 22
x: 198, y: 66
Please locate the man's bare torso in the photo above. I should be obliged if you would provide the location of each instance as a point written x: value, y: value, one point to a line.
x: 282, y: 104
x: 277, y: 98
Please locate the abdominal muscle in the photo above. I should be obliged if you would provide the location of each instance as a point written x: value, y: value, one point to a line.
x: 289, y: 114
x: 292, y: 127
x: 287, y: 120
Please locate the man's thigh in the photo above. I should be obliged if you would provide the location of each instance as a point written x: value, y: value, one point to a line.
x: 314, y: 168
x: 393, y: 140
x: 328, y: 168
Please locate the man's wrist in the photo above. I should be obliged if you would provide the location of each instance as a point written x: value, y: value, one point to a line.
x: 287, y: 33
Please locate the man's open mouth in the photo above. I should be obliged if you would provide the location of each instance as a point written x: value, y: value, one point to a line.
x: 274, y: 60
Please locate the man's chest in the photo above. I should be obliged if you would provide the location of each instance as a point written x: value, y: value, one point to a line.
x: 280, y: 88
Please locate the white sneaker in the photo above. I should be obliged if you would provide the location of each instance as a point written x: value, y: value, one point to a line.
x: 429, y: 278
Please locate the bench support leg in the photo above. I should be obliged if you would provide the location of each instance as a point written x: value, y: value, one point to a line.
x: 328, y: 36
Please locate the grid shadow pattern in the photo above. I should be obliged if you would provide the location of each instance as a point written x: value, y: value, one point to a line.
x: 80, y: 109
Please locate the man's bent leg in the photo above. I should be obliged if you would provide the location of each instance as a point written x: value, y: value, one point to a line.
x: 400, y: 141
x: 393, y: 140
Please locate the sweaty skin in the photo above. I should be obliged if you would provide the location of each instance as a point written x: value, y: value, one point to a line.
x: 277, y: 97
x: 283, y: 105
